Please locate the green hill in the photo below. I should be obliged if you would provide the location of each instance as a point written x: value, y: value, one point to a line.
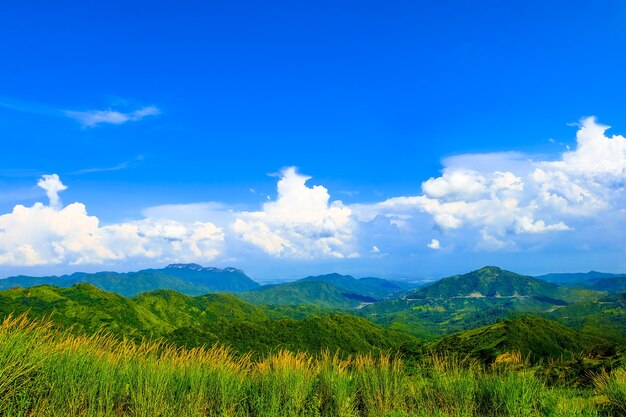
x: 493, y: 282
x: 82, y: 305
x: 613, y: 284
x: 189, y: 279
x: 531, y: 336
x: 465, y: 302
x: 377, y: 288
x: 201, y: 320
x: 318, y: 293
x: 604, y: 317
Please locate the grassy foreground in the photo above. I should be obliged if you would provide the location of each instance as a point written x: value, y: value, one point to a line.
x: 46, y: 372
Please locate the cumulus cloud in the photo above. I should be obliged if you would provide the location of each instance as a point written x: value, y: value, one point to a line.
x: 94, y: 118
x: 301, y: 223
x: 45, y: 235
x: 501, y: 196
x: 491, y: 202
x: 53, y: 186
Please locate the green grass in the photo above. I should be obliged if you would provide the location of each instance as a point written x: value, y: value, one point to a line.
x: 45, y: 371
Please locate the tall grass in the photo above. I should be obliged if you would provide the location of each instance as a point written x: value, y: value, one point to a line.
x: 47, y: 372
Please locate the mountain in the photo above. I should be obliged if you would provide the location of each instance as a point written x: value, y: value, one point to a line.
x: 372, y: 287
x: 221, y: 280
x: 613, y: 284
x: 599, y: 281
x: 196, y: 321
x: 531, y: 336
x: 81, y: 305
x: 334, y: 291
x: 465, y: 302
x: 576, y: 278
x: 189, y: 279
x: 494, y: 283
x: 318, y: 293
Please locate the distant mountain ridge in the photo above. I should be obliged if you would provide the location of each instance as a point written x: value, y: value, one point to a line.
x: 191, y: 279
x: 318, y: 293
x: 493, y: 282
x: 574, y: 278
x: 613, y: 284
x: 328, y: 291
x: 369, y: 286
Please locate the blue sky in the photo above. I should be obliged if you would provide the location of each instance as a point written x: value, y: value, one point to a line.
x: 203, y: 107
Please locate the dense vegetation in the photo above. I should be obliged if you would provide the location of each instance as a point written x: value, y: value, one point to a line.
x: 605, y: 317
x: 490, y: 342
x: 56, y: 373
x: 534, y: 338
x: 479, y: 298
x: 493, y: 282
x: 201, y: 320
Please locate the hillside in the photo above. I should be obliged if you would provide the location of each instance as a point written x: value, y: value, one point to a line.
x: 492, y: 282
x: 531, y: 336
x: 604, y: 317
x: 576, y: 278
x: 196, y: 321
x: 335, y: 332
x: 82, y: 305
x: 614, y: 284
x: 465, y: 302
x: 318, y: 293
x: 377, y: 288
x: 189, y: 279
x: 47, y: 372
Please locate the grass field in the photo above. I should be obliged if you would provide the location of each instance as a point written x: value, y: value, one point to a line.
x: 48, y: 372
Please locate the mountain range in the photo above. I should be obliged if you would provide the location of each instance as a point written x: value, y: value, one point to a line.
x: 467, y: 301
x: 189, y: 279
x: 577, y: 278
x: 197, y: 321
x: 190, y: 305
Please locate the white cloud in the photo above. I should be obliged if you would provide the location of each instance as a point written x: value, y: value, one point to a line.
x: 94, y: 118
x: 596, y: 155
x: 53, y: 186
x: 434, y: 244
x: 301, y: 223
x: 495, y: 202
x: 495, y: 197
x: 456, y: 184
x: 41, y: 235
x: 44, y: 235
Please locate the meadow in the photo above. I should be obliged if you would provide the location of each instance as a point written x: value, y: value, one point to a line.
x: 45, y: 371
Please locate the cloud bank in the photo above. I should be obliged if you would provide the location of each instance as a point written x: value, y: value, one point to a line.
x: 479, y: 203
x: 494, y: 206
